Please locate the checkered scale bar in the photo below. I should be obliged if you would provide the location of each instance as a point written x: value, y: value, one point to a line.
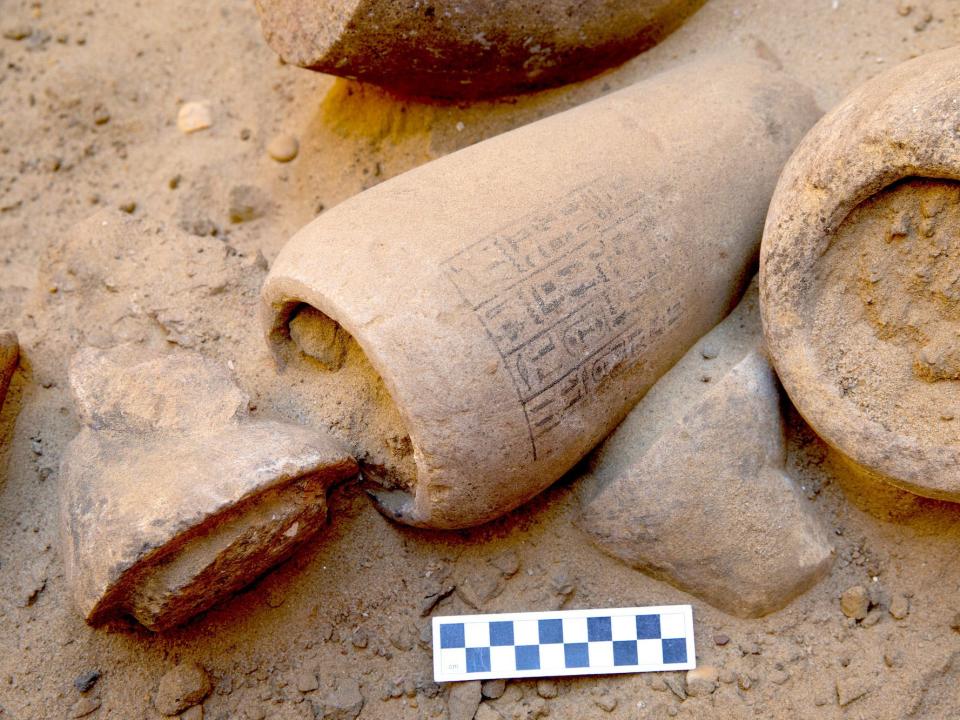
x: 567, y: 642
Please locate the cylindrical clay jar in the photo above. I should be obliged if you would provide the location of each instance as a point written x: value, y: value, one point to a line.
x: 860, y: 277
x: 517, y: 297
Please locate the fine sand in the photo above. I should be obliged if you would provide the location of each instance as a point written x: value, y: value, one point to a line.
x: 89, y: 95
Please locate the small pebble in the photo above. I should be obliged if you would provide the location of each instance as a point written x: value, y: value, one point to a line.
x: 84, y: 706
x: 955, y: 623
x: 194, y: 116
x: 721, y: 639
x: 709, y: 351
x: 403, y: 640
x: 779, y: 677
x: 702, y: 681
x: 84, y: 682
x: 508, y: 563
x: 855, y: 602
x: 360, y: 639
x: 657, y: 683
x: 547, y: 689
x: 463, y: 700
x: 487, y: 712
x: 324, y: 630
x: 493, y: 689
x: 306, y: 681
x: 129, y: 207
x: 101, y: 116
x: 677, y: 685
x: 283, y: 148
x: 750, y: 648
x: 607, y: 703
x: 851, y: 688
x: 872, y: 618
x: 184, y: 686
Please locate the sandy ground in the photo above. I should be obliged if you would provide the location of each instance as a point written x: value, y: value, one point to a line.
x: 88, y: 103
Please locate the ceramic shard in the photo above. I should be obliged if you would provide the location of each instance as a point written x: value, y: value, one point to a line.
x: 172, y: 497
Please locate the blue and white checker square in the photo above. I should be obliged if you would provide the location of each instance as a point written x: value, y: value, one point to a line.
x: 562, y: 645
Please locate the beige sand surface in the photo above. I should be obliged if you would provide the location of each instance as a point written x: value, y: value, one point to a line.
x: 88, y: 107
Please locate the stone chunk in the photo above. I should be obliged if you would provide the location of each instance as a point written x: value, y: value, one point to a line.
x: 182, y: 687
x: 84, y: 706
x: 344, y: 703
x: 547, y: 689
x: 855, y: 602
x: 493, y: 689
x: 194, y: 116
x: 452, y: 49
x: 691, y: 487
x: 899, y: 607
x: 85, y: 681
x: 702, y: 680
x: 171, y: 497
x: 852, y: 687
x: 487, y: 712
x: 306, y: 681
x: 463, y: 700
x: 283, y: 148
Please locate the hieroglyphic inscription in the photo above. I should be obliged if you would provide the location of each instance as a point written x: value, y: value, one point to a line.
x: 559, y: 293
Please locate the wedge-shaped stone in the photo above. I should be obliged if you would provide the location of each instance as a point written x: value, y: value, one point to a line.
x: 171, y: 497
x: 452, y: 49
x: 691, y: 487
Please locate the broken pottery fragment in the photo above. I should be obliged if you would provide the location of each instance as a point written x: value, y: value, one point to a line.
x: 9, y: 356
x: 860, y: 277
x: 518, y: 296
x: 447, y: 49
x: 691, y: 487
x: 171, y: 498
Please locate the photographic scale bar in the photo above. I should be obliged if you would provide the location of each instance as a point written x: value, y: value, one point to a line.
x: 563, y: 642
